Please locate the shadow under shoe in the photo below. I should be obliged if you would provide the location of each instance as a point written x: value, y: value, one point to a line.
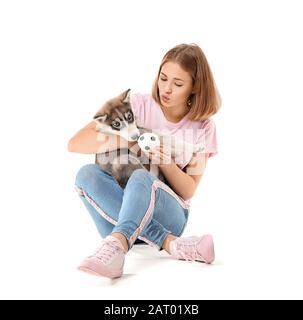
x: 138, y: 241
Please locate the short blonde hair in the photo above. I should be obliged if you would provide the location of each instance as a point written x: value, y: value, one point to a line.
x: 206, y: 100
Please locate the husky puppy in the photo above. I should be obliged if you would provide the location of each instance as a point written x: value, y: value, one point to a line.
x: 116, y: 117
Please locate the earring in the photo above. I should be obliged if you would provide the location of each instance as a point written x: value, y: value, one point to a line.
x: 188, y: 102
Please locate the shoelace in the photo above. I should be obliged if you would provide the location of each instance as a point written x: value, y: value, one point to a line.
x: 187, y: 249
x: 107, y: 249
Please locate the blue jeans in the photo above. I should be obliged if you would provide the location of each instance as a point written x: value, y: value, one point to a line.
x: 146, y: 209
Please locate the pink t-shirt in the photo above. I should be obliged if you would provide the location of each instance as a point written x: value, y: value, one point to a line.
x: 149, y: 115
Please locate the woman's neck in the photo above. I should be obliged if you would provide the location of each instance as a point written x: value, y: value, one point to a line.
x: 174, y: 114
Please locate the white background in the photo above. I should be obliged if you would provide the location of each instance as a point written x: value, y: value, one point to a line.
x: 60, y: 61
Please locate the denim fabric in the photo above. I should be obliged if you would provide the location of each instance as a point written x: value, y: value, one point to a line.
x: 147, y: 208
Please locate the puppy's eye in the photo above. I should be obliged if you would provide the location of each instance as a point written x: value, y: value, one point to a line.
x: 129, y: 116
x: 116, y: 124
x: 152, y: 138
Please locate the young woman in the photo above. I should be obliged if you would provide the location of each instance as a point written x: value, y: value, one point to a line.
x: 184, y: 97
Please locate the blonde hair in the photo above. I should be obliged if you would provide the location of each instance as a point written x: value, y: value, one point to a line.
x: 206, y: 100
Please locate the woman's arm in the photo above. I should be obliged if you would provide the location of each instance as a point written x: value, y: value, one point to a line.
x: 90, y: 141
x: 183, y: 183
x: 180, y: 182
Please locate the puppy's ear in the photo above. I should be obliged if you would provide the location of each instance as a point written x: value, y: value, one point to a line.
x: 99, y: 118
x: 125, y: 96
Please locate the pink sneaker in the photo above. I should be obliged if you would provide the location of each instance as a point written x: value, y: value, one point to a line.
x: 107, y: 261
x: 193, y: 248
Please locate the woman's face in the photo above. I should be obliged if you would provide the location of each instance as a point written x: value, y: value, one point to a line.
x: 175, y: 85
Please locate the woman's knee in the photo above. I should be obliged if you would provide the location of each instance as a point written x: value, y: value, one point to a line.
x: 87, y: 175
x: 141, y: 176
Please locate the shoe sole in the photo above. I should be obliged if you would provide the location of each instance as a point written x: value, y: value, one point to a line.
x: 94, y: 273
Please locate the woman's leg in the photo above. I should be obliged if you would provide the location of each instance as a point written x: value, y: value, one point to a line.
x: 101, y: 195
x: 146, y: 208
x: 153, y: 211
x: 150, y: 210
x: 143, y: 209
x: 97, y: 189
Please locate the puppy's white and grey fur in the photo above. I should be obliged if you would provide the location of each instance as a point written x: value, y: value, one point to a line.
x: 116, y: 117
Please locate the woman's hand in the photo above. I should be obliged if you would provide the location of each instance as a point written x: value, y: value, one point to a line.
x: 159, y: 156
